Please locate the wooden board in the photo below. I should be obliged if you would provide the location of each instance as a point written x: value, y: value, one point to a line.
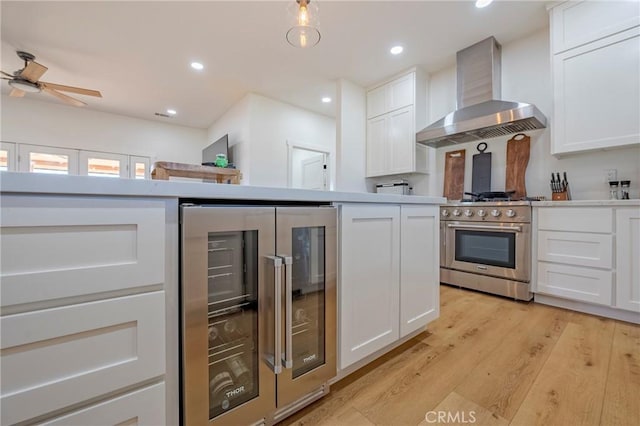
x: 454, y: 174
x: 481, y: 170
x: 518, y: 148
x: 162, y: 170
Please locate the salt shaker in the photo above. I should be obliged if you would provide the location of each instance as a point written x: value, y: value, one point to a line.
x: 624, y: 189
x: 613, y: 190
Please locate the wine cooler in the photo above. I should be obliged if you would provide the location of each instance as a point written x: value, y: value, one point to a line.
x: 258, y: 311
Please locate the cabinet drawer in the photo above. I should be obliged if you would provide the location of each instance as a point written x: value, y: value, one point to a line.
x: 576, y: 283
x: 574, y: 248
x: 142, y: 407
x: 576, y: 23
x: 576, y: 219
x: 53, y: 248
x: 57, y: 357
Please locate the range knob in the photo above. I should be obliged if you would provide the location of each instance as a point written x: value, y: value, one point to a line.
x: 511, y: 213
x: 495, y: 212
x: 468, y: 213
x: 456, y: 212
x: 482, y: 213
x: 445, y: 213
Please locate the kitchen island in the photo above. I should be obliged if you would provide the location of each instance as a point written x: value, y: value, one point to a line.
x: 90, y: 284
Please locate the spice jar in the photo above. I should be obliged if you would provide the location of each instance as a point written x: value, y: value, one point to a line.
x: 624, y: 189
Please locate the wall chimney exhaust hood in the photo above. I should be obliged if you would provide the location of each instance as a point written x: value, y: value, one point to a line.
x: 481, y: 114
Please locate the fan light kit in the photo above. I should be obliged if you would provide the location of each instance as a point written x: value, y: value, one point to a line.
x: 25, y: 86
x: 304, y: 32
x: 27, y: 80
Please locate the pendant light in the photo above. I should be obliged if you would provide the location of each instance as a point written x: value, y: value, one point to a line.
x: 304, y: 32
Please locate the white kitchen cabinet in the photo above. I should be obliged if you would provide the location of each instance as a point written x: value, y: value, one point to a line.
x: 596, y: 63
x: 139, y: 408
x: 589, y: 255
x: 575, y: 283
x: 419, y: 267
x: 393, y: 95
x: 395, y: 110
x: 54, y: 358
x: 628, y: 258
x: 370, y: 279
x: 377, y: 145
x: 574, y: 254
x: 84, y: 290
x: 575, y: 23
x: 389, y: 275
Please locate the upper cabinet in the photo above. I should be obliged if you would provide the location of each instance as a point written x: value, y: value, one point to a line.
x: 395, y: 111
x: 596, y: 63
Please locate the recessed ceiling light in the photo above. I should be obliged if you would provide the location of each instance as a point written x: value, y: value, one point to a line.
x: 197, y: 66
x: 172, y: 112
x: 326, y: 99
x: 483, y: 3
x: 396, y: 50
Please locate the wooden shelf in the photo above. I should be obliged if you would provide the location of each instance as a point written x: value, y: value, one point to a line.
x: 162, y: 170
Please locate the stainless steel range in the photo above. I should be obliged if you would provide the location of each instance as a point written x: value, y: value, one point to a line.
x: 486, y: 246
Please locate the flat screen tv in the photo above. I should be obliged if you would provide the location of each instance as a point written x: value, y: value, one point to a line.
x: 221, y: 146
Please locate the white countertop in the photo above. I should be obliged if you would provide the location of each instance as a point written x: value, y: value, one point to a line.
x: 587, y: 203
x: 85, y: 185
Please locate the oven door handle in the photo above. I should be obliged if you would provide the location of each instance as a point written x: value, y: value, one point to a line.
x: 488, y: 227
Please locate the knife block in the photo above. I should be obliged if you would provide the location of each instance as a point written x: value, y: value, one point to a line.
x: 561, y: 196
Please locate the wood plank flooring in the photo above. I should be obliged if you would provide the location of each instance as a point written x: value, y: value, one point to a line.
x: 491, y: 361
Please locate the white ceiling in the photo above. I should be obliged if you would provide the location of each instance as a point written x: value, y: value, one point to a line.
x: 138, y: 53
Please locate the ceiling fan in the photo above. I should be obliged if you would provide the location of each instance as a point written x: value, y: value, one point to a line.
x: 27, y: 80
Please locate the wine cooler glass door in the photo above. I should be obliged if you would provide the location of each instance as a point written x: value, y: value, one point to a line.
x: 223, y: 256
x: 306, y: 242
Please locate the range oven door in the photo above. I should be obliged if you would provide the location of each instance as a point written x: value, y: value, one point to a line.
x: 499, y: 250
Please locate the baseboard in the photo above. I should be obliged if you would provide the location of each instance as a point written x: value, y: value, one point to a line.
x: 588, y: 308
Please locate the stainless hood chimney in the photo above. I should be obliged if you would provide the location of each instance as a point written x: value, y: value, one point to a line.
x: 481, y: 114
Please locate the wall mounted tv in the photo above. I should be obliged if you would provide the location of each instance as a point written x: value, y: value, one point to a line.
x: 221, y: 146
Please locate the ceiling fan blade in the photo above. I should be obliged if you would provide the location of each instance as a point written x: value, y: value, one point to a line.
x: 33, y: 71
x: 65, y: 98
x: 17, y: 93
x: 72, y: 89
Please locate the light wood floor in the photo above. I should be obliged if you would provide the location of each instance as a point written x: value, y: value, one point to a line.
x: 508, y: 363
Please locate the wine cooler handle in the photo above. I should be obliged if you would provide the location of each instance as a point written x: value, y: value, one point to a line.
x: 276, y: 365
x: 288, y: 338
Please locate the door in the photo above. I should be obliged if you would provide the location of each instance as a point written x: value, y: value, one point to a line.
x: 499, y: 250
x: 401, y: 143
x: 313, y: 172
x: 419, y: 267
x: 376, y: 146
x: 228, y: 290
x: 370, y: 264
x: 627, y: 255
x: 306, y: 241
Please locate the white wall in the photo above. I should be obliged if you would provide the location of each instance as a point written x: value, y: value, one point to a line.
x: 264, y: 126
x: 526, y: 77
x: 351, y: 133
x: 26, y: 120
x: 235, y: 123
